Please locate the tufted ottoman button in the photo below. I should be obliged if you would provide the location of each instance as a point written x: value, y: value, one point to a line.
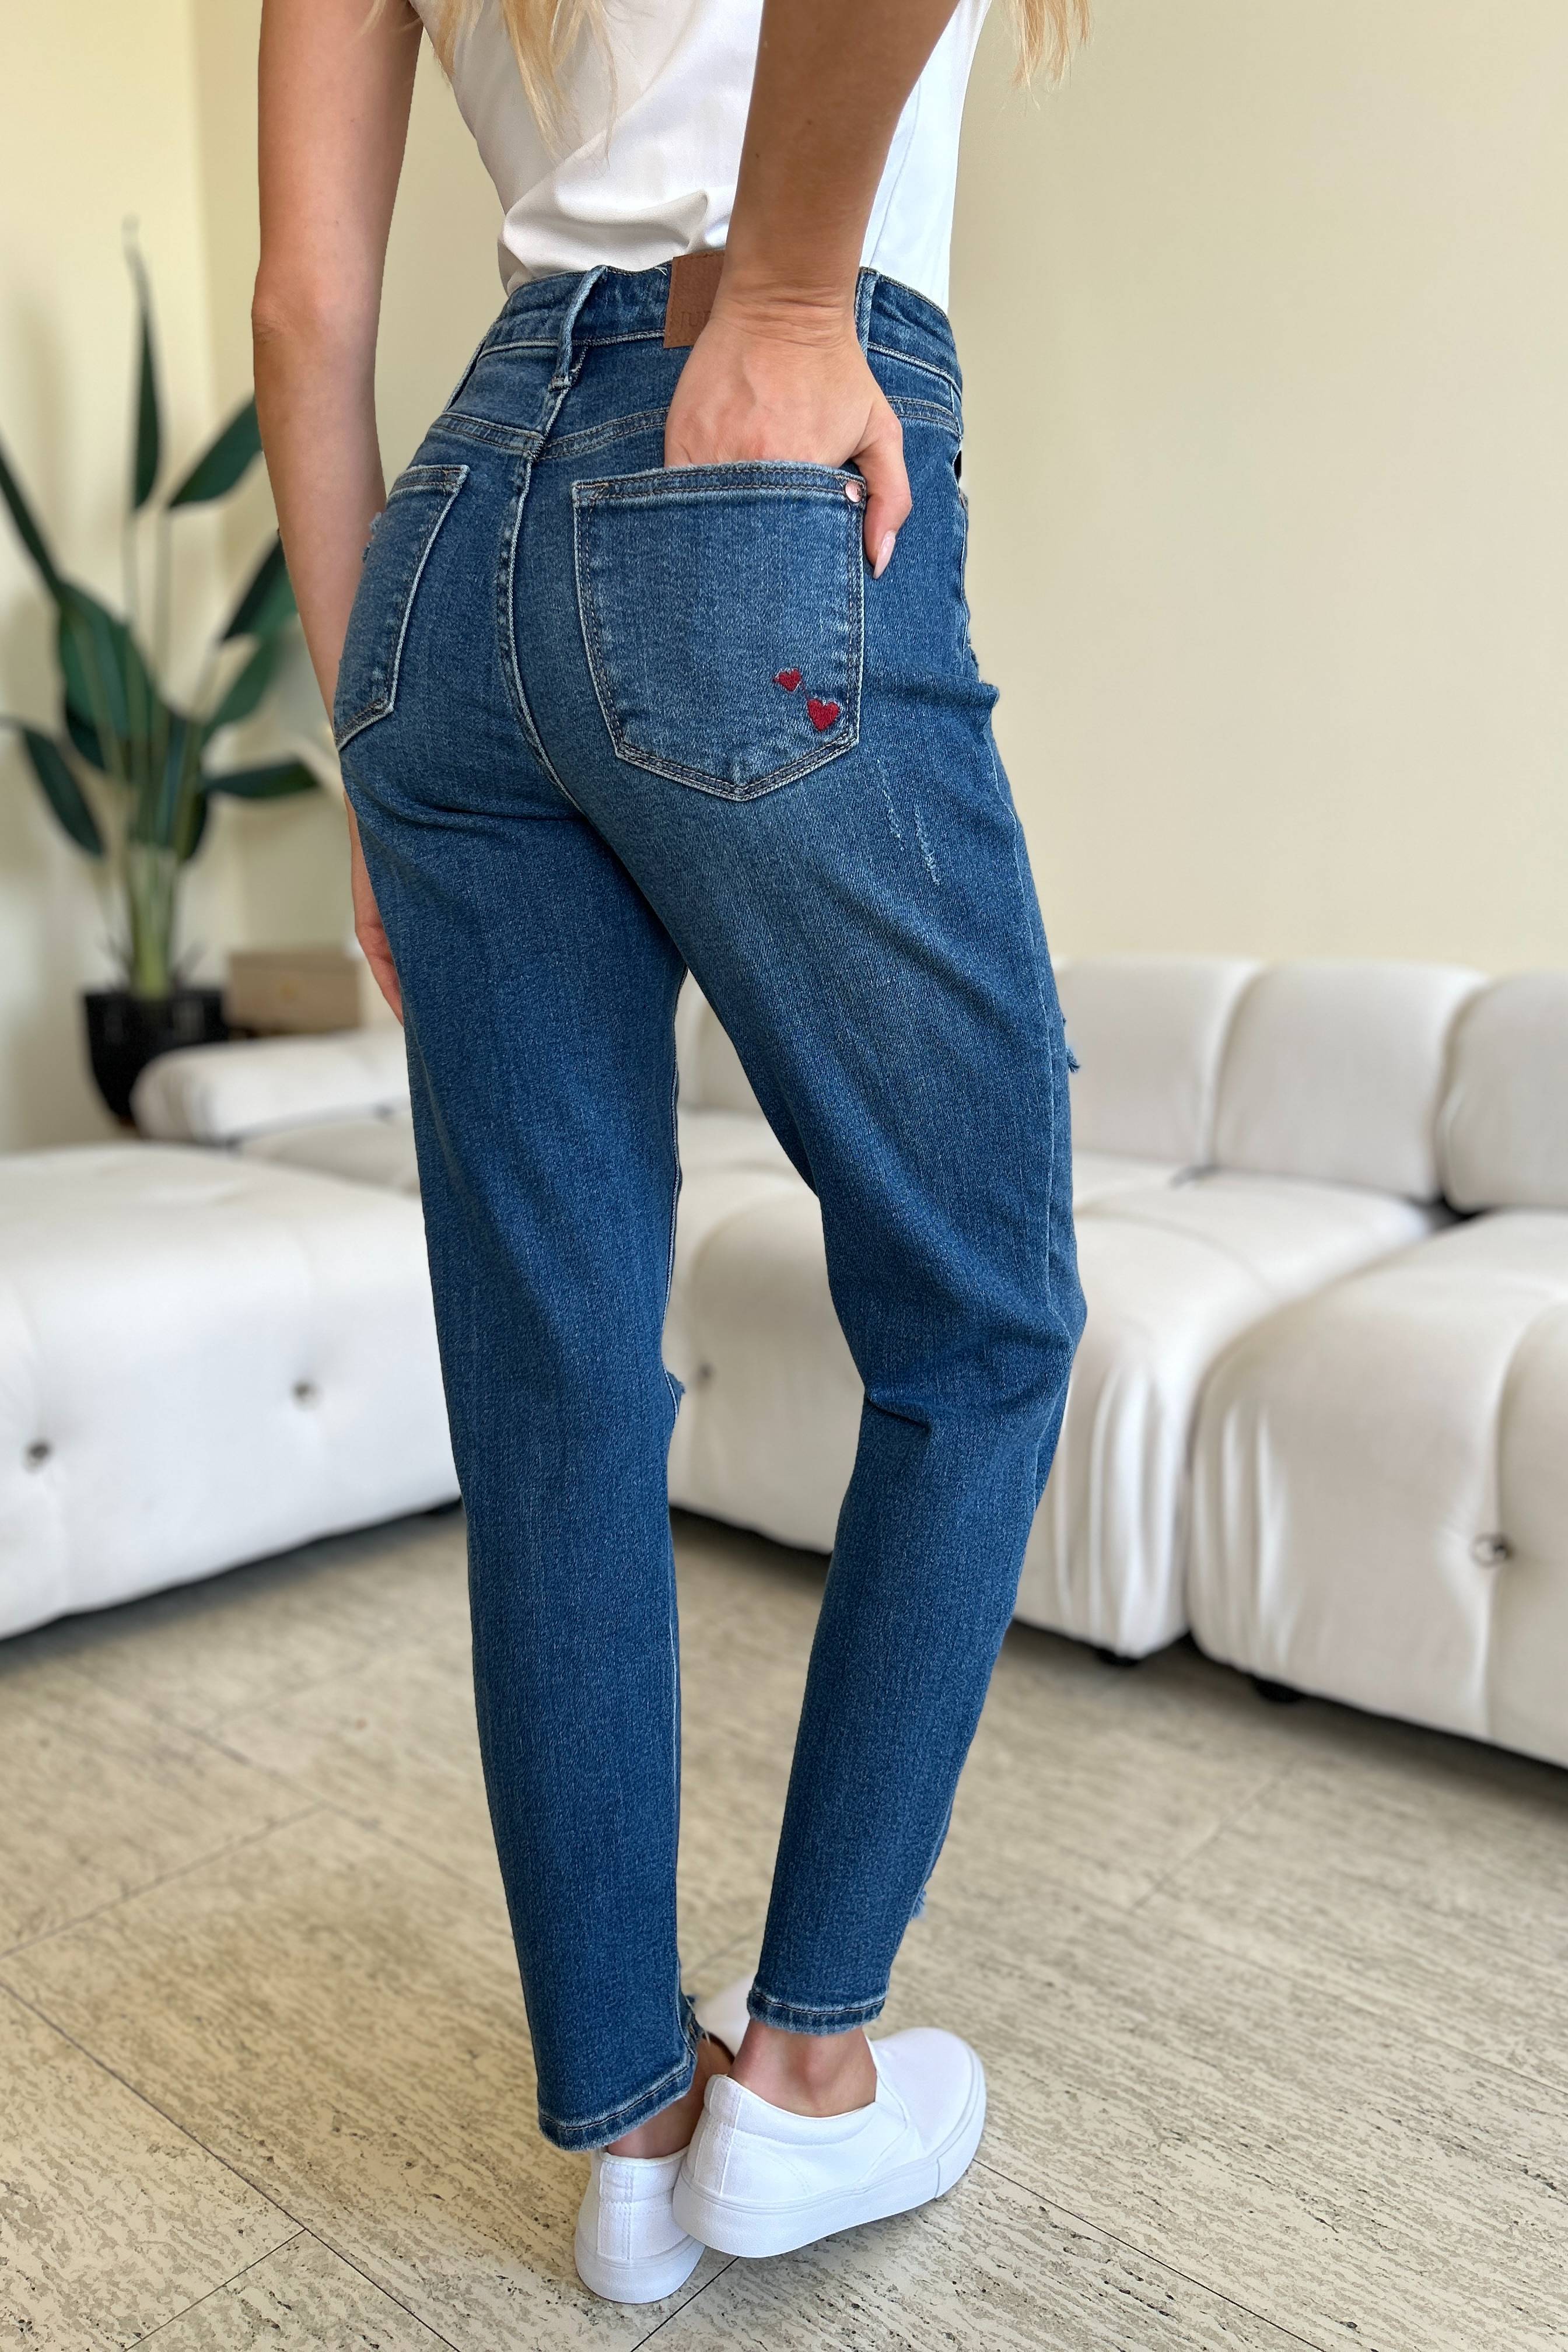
x: 37, y: 1454
x: 1490, y: 1551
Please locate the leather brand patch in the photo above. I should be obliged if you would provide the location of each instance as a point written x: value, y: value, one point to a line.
x: 693, y: 282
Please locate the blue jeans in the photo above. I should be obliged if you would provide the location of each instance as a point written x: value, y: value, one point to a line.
x: 601, y: 723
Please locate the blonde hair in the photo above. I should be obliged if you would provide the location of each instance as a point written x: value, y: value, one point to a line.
x: 544, y: 33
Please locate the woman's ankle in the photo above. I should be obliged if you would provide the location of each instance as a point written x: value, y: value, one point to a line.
x: 807, y: 2074
x: 667, y: 2133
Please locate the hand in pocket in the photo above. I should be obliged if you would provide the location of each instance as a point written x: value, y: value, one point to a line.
x: 786, y: 387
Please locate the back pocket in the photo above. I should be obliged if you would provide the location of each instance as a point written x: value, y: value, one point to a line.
x: 400, y: 542
x: 722, y: 610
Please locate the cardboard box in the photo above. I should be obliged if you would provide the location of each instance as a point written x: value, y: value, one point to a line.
x: 284, y: 991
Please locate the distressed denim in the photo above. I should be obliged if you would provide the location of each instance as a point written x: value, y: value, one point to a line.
x: 603, y: 723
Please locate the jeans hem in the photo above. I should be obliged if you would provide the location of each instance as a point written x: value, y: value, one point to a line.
x: 808, y: 2017
x: 597, y: 2131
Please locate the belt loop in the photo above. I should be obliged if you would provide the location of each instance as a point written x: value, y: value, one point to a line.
x: 565, y: 364
x: 864, y: 294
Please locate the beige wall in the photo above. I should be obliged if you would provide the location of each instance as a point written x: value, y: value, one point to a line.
x: 442, y: 289
x: 106, y: 113
x: 1265, y: 320
x: 97, y: 122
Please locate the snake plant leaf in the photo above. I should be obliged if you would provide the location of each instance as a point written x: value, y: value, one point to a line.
x: 60, y: 788
x: 192, y: 823
x: 27, y: 530
x: 224, y: 462
x: 147, y: 453
x: 108, y: 685
x: 248, y: 684
x: 267, y: 604
x: 158, y: 817
x: 274, y: 783
x: 84, y: 735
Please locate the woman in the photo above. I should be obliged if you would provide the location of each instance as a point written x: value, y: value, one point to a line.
x: 657, y: 659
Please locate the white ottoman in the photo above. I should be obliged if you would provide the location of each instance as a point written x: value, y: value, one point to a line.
x: 1381, y: 1485
x: 1381, y: 1477
x: 202, y: 1359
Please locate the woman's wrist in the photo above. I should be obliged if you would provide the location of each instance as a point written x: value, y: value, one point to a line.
x: 785, y: 314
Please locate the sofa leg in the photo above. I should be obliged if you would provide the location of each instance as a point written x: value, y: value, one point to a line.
x: 1276, y: 1693
x: 1114, y: 1658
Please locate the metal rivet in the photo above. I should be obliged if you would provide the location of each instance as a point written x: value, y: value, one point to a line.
x: 1490, y: 1551
x: 36, y: 1455
x: 855, y: 492
x: 305, y: 1393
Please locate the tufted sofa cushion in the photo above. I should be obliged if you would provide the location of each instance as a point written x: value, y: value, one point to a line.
x: 1502, y: 1131
x: 1149, y: 1033
x: 1335, y: 1071
x: 767, y: 1433
x: 363, y: 1150
x: 218, y: 1094
x: 1381, y: 1488
x: 202, y: 1359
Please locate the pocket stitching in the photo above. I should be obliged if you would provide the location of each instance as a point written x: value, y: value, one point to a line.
x: 450, y: 479
x: 654, y: 488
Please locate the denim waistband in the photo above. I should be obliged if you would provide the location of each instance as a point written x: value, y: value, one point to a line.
x: 574, y: 311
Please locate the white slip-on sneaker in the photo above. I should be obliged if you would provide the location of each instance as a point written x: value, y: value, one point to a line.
x: 758, y: 2179
x: 629, y: 2246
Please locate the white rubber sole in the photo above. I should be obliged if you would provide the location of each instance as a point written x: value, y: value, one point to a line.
x: 754, y: 2232
x: 641, y: 2281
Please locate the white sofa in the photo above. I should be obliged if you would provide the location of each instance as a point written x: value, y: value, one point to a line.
x: 1382, y: 1469
x: 1269, y: 1162
x: 201, y: 1360
x: 1242, y: 1138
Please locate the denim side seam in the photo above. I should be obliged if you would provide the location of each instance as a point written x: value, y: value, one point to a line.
x: 1054, y: 1039
x: 804, y: 2017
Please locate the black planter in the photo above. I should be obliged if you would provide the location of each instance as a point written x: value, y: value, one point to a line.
x: 124, y: 1032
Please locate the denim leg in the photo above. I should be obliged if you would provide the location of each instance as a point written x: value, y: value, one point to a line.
x: 597, y: 718
x: 539, y: 993
x: 846, y: 879
x: 917, y: 1054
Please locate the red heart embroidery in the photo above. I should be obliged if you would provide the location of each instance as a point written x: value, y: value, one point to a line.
x: 822, y: 714
x: 788, y: 678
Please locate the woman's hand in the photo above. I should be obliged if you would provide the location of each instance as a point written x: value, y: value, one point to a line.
x: 369, y: 929
x: 778, y: 370
x: 791, y: 383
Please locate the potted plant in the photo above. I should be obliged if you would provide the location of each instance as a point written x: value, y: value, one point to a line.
x: 127, y: 776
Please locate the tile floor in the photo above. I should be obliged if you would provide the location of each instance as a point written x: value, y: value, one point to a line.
x: 1272, y: 1999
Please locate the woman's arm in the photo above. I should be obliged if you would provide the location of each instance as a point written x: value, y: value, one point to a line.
x: 777, y: 371
x: 335, y: 93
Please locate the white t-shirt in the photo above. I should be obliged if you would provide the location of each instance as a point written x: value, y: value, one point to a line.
x: 664, y: 182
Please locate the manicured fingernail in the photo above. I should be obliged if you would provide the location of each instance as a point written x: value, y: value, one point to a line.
x: 884, y: 555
